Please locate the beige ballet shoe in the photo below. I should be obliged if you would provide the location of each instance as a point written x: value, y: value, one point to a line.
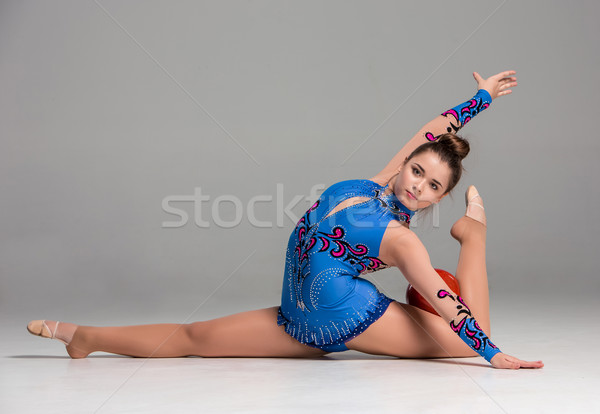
x: 39, y: 328
x: 470, y: 195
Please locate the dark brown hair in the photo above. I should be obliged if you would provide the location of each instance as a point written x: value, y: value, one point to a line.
x: 451, y: 149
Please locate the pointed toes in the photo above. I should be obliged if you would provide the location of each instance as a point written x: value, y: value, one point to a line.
x: 37, y: 328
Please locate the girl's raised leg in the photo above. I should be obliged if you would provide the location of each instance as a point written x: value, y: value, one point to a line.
x: 246, y: 334
x: 471, y: 273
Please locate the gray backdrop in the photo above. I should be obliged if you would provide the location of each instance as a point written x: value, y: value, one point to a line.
x: 109, y: 109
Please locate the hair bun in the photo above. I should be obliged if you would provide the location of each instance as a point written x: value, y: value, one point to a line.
x: 455, y: 144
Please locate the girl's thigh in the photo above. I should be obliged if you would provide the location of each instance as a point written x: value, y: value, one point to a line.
x: 406, y: 331
x: 248, y: 334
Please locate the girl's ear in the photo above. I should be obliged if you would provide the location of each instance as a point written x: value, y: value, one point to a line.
x: 402, y: 165
x: 443, y: 197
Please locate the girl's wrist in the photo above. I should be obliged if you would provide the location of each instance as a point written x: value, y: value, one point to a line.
x: 484, y: 95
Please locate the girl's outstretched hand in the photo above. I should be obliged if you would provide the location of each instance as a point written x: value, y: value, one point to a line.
x: 497, y: 85
x: 504, y: 361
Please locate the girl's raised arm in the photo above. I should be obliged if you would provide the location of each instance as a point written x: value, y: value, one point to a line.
x: 455, y: 118
x: 412, y: 259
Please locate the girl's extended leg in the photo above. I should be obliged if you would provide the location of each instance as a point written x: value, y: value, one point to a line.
x: 410, y: 332
x: 246, y: 334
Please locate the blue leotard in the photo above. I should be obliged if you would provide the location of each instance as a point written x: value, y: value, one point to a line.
x: 324, y: 301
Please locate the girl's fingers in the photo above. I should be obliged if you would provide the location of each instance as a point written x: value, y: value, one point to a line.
x: 505, y: 74
x: 510, y: 362
x: 508, y: 85
x: 534, y: 363
x: 530, y: 364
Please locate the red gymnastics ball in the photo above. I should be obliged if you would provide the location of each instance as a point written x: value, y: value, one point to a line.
x: 414, y: 298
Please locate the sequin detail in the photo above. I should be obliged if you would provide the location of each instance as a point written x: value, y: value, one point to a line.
x: 335, y: 332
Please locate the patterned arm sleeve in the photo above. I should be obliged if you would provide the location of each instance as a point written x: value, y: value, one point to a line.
x: 413, y: 261
x: 467, y: 327
x: 458, y: 116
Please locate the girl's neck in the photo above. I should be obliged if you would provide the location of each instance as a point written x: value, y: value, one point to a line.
x: 391, y: 184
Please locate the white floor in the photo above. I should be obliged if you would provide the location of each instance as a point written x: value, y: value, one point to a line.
x: 37, y: 376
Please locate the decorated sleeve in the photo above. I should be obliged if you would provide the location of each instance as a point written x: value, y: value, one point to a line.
x: 413, y: 261
x: 455, y: 118
x: 464, y: 325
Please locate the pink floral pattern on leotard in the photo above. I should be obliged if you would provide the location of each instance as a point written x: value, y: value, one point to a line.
x: 344, y: 251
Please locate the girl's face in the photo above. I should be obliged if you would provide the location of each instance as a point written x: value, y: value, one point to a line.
x: 422, y: 181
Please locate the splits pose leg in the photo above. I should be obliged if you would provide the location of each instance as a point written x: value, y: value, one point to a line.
x: 247, y: 334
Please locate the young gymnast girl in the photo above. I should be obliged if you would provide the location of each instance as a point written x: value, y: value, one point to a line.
x: 356, y: 227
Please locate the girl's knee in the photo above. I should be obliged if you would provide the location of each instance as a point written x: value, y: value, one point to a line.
x: 196, y: 332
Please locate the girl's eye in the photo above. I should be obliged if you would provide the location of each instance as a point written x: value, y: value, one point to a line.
x: 434, y: 186
x: 414, y: 169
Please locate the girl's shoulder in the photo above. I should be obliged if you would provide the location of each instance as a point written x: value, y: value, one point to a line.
x: 381, y: 179
x: 398, y: 236
x: 398, y: 230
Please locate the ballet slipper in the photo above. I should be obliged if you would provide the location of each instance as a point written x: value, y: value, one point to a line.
x: 470, y: 195
x: 39, y: 328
